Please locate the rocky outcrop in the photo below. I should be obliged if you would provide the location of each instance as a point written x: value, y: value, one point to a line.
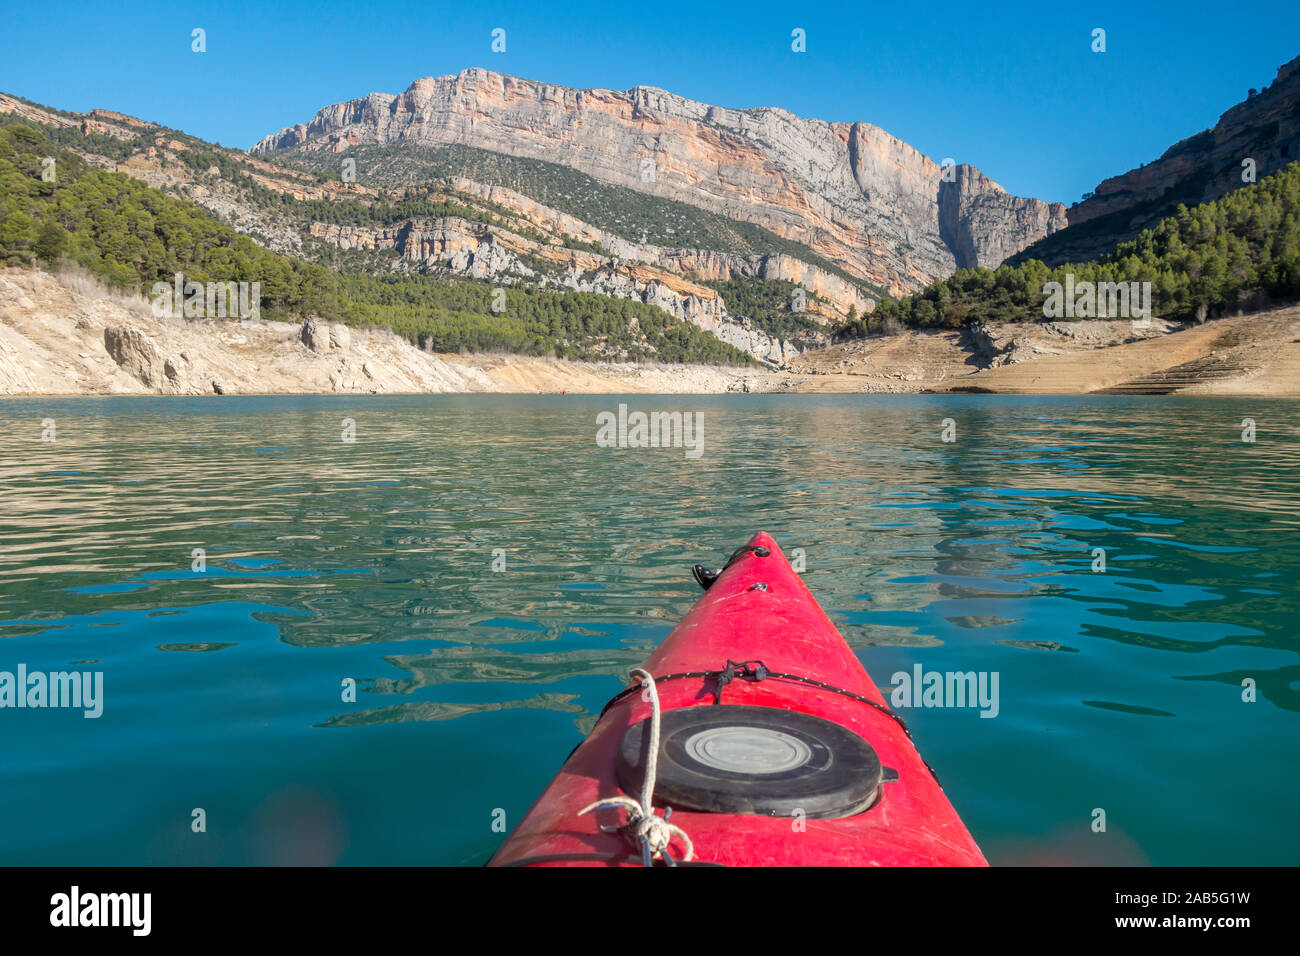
x: 839, y: 294
x: 103, y: 122
x: 982, y: 225
x: 836, y: 292
x: 68, y: 335
x: 1264, y: 128
x: 1009, y: 343
x: 315, y: 335
x: 849, y: 191
x: 135, y: 353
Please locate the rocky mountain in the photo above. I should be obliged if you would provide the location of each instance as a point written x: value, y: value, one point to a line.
x: 850, y: 193
x: 1263, y: 129
x: 488, y: 234
x: 759, y: 227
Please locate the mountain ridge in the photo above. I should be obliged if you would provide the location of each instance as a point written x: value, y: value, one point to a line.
x: 1203, y: 167
x: 280, y: 207
x: 850, y: 191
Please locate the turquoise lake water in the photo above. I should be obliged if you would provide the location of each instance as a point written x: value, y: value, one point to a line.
x: 223, y: 690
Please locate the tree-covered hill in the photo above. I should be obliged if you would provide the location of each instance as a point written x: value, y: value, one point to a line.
x: 767, y: 303
x: 280, y: 205
x: 1238, y: 252
x: 132, y: 236
x: 458, y: 316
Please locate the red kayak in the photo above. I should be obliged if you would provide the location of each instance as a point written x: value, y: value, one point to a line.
x: 773, y: 748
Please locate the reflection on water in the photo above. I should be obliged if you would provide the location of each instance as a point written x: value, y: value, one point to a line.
x: 350, y: 638
x: 467, y: 663
x: 439, y: 710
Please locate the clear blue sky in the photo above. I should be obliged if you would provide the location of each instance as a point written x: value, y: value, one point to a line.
x: 1014, y: 89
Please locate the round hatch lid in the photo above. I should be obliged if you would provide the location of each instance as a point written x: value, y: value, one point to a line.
x: 736, y: 758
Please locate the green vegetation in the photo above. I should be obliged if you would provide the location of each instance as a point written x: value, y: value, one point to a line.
x: 767, y: 304
x: 1101, y: 231
x: 458, y: 316
x: 132, y: 236
x: 276, y: 213
x: 205, y: 160
x: 1239, y: 251
x: 354, y: 212
x: 100, y: 144
x: 633, y: 215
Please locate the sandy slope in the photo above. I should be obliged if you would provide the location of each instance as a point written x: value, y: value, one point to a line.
x: 1245, y: 355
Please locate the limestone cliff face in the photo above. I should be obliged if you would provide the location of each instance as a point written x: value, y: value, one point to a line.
x: 838, y: 293
x: 850, y: 191
x: 1264, y: 128
x: 981, y: 224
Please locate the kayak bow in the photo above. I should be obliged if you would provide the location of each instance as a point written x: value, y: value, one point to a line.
x: 775, y: 747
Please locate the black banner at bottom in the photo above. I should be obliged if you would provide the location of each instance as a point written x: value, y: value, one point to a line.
x: 341, y: 905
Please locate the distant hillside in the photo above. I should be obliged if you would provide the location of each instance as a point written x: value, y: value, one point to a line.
x: 132, y: 236
x: 854, y: 195
x: 1264, y: 129
x: 1240, y: 252
x: 631, y: 215
x: 461, y: 228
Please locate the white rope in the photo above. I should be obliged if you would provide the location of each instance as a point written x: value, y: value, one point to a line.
x: 651, y: 833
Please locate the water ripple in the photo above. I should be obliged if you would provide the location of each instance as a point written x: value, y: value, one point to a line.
x: 421, y: 623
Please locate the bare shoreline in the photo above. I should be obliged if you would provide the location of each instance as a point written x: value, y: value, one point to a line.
x: 64, y: 336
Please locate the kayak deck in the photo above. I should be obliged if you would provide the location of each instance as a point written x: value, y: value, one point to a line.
x: 757, y: 610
